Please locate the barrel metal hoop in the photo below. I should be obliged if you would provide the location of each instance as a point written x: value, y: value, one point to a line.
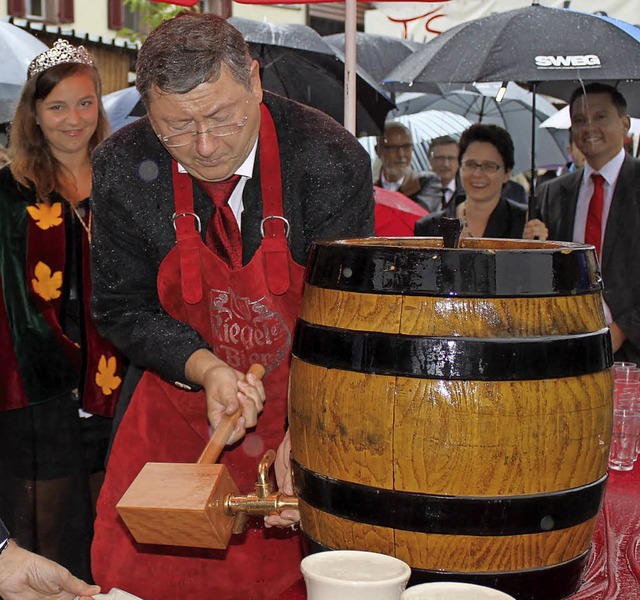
x: 464, y: 273
x: 480, y: 359
x: 449, y: 515
x: 551, y: 582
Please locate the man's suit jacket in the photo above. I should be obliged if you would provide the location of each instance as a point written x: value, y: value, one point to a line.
x: 620, y: 261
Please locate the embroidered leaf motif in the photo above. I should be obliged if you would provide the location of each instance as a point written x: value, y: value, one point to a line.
x: 45, y: 215
x: 106, y: 377
x: 47, y: 284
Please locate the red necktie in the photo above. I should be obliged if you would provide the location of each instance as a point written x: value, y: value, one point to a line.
x: 223, y: 233
x: 593, y: 230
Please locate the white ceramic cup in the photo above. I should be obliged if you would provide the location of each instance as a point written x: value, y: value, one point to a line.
x: 354, y: 575
x: 446, y: 590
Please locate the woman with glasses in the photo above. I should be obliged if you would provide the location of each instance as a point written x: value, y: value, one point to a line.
x: 486, y: 162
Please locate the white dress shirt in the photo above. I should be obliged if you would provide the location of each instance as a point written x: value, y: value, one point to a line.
x: 610, y: 173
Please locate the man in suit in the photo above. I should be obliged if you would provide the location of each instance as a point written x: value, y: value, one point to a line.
x: 204, y: 212
x: 395, y: 149
x: 443, y: 156
x: 610, y: 218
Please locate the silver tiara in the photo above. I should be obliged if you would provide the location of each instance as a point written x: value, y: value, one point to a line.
x: 61, y: 52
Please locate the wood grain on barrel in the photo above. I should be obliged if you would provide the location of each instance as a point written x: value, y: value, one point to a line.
x: 347, y: 415
x: 493, y: 553
x: 491, y: 438
x: 444, y: 317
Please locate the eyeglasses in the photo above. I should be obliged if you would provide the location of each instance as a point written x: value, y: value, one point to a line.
x: 188, y: 137
x: 443, y: 159
x: 396, y: 147
x: 470, y: 166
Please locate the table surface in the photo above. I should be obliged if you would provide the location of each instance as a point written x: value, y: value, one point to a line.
x: 613, y: 572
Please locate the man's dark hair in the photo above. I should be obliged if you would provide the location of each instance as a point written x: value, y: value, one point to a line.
x: 188, y: 50
x: 443, y: 140
x: 492, y: 134
x: 596, y: 87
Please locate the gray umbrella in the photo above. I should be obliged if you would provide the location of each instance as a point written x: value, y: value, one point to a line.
x: 533, y: 44
x: 17, y: 49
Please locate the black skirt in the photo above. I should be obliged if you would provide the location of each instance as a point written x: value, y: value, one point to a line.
x: 50, y: 459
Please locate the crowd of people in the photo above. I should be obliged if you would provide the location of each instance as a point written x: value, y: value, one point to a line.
x: 130, y: 321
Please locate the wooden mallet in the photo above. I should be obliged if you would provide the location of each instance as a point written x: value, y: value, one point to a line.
x: 181, y: 504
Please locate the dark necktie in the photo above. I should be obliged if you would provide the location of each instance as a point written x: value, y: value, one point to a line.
x: 593, y: 230
x: 443, y: 200
x: 223, y: 233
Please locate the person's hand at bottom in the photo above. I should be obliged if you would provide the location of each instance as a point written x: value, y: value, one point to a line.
x: 28, y: 576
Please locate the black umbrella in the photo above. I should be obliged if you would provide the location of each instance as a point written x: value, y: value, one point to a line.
x: 378, y: 55
x: 297, y: 63
x: 533, y: 44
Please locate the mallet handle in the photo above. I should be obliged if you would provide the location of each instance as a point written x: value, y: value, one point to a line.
x: 218, y: 440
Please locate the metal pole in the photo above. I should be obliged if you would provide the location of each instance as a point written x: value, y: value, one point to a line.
x: 532, y: 190
x: 350, y: 23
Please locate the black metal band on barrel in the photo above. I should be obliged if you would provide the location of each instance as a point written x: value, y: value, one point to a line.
x: 445, y: 272
x: 449, y: 515
x: 556, y: 581
x: 481, y: 359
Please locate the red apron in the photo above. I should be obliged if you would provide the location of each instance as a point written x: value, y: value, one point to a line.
x: 247, y: 315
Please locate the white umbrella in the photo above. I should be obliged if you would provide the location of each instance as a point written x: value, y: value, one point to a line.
x: 424, y: 127
x: 123, y: 107
x: 17, y: 49
x: 514, y: 113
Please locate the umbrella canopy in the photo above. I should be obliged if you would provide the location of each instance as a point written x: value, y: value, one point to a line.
x: 394, y: 213
x: 17, y: 49
x: 123, y: 107
x: 297, y: 63
x: 532, y: 44
x: 514, y: 113
x: 378, y: 55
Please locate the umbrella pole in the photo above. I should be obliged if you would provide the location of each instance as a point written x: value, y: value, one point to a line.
x: 533, y: 209
x: 350, y: 23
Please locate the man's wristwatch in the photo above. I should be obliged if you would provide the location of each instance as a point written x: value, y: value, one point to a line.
x: 4, y: 537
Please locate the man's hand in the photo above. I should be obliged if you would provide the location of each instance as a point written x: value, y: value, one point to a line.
x: 284, y: 478
x: 27, y: 576
x: 227, y: 391
x: 535, y: 229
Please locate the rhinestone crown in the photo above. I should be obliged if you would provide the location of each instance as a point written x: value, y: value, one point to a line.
x: 61, y: 52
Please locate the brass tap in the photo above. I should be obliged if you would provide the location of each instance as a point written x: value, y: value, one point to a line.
x: 263, y: 501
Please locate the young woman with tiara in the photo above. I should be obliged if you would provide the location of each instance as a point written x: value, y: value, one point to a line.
x: 59, y: 379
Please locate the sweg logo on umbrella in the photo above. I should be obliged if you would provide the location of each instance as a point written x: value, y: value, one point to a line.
x: 588, y: 61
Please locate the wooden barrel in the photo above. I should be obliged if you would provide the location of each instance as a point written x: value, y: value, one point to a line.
x: 452, y: 407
